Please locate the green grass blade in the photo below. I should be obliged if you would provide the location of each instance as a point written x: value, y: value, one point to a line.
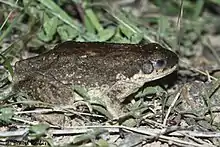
x: 62, y: 15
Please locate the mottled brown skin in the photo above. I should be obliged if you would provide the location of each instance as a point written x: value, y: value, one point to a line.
x: 48, y: 77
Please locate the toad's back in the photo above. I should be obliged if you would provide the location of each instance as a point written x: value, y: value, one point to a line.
x: 49, y: 75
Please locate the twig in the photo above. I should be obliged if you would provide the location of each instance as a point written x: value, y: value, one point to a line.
x: 197, y: 70
x: 116, y: 129
x: 171, y: 106
x: 42, y: 111
x: 85, y: 129
x: 17, y: 133
x: 203, y: 73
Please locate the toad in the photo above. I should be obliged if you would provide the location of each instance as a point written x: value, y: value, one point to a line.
x: 109, y: 71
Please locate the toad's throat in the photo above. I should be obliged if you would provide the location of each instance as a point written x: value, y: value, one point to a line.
x: 133, y: 84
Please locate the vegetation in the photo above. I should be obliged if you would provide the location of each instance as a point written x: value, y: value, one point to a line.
x: 181, y: 112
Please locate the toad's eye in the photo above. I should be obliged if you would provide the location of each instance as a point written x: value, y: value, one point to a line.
x: 147, y: 68
x: 160, y: 63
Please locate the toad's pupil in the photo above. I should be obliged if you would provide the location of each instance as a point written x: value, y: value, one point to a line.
x: 160, y: 63
x: 147, y: 68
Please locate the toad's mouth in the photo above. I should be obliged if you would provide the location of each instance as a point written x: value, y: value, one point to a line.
x: 154, y: 75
